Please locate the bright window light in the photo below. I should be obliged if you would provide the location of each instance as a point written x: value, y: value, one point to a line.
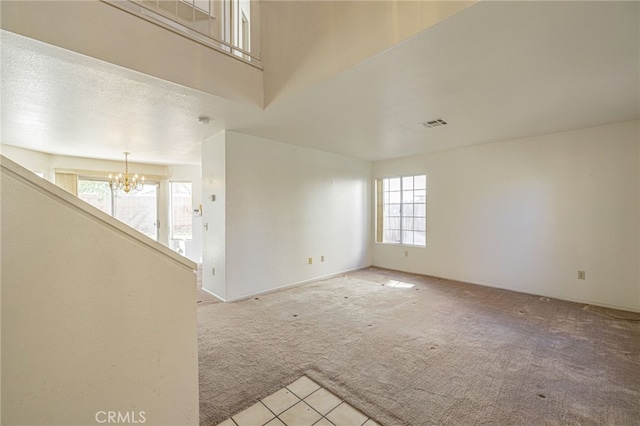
x: 401, y: 210
x: 181, y: 211
x: 398, y: 284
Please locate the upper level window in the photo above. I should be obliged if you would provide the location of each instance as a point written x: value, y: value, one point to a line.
x: 401, y: 210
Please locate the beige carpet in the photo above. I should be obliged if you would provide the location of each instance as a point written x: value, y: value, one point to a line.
x: 438, y: 353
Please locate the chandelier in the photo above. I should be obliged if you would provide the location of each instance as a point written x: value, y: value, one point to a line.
x: 126, y: 183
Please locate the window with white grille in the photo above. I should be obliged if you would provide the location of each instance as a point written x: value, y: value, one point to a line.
x: 401, y: 210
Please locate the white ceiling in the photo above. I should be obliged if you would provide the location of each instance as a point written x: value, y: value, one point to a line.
x: 496, y: 71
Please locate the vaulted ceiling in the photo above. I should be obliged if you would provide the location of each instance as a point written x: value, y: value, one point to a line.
x: 494, y: 71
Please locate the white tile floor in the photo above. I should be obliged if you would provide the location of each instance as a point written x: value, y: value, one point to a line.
x: 302, y: 403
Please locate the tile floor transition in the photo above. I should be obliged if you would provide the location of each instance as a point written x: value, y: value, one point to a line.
x: 302, y: 403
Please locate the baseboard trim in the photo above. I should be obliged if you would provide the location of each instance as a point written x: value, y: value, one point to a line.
x: 517, y: 290
x: 296, y: 284
x: 213, y: 294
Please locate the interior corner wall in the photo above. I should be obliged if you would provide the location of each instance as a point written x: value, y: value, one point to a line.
x: 286, y: 204
x: 528, y: 214
x: 214, y: 215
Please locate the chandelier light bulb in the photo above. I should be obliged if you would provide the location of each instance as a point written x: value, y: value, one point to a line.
x: 126, y: 183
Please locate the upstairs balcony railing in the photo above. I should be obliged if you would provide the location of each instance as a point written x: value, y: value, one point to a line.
x: 229, y: 26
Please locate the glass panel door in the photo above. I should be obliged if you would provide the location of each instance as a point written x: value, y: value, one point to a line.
x: 181, y: 217
x: 97, y: 193
x: 138, y: 209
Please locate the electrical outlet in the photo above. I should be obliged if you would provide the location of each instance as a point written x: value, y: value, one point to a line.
x: 310, y: 260
x: 321, y: 258
x: 213, y: 271
x: 582, y: 275
x: 406, y: 253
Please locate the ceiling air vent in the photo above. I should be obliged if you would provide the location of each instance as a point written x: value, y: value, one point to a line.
x: 433, y: 123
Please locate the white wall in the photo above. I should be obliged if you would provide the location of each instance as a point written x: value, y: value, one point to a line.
x: 304, y: 42
x: 277, y: 205
x: 527, y: 214
x: 90, y: 327
x: 214, y: 215
x: 286, y: 203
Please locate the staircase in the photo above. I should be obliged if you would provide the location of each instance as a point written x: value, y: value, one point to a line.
x: 96, y: 317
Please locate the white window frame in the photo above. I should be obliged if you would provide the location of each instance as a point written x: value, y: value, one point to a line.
x: 411, y: 214
x: 171, y: 236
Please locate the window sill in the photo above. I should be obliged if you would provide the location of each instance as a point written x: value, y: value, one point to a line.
x: 400, y: 245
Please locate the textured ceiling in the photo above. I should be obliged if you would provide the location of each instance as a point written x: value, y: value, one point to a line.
x: 496, y: 71
x: 60, y: 102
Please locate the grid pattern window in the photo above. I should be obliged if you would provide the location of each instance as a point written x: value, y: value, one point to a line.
x: 402, y: 210
x: 181, y: 211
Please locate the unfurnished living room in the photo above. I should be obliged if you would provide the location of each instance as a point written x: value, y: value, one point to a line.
x: 330, y: 213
